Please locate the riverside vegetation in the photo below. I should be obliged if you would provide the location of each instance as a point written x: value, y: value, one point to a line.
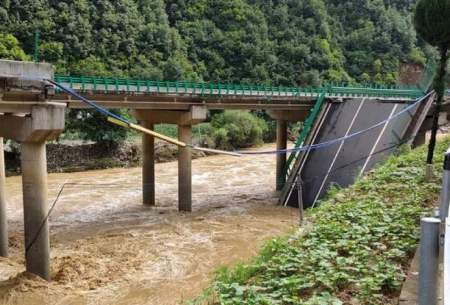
x: 355, y: 248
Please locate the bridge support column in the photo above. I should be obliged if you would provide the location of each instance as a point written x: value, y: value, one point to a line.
x: 184, y: 120
x: 184, y: 170
x: 148, y: 167
x: 281, y: 158
x: 35, y: 207
x: 3, y: 218
x: 283, y: 117
x: 44, y: 123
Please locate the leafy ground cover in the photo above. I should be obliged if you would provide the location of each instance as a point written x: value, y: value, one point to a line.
x: 355, y: 248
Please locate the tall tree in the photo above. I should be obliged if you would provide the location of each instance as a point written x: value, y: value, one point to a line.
x: 432, y: 22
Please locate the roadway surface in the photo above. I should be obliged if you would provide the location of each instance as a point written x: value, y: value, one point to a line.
x: 340, y: 164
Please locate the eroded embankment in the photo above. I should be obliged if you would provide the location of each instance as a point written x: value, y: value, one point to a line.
x: 108, y: 249
x: 355, y: 249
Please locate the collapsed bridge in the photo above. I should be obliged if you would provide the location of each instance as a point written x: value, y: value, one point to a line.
x: 32, y: 112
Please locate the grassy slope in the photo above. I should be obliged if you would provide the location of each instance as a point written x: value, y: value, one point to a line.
x: 355, y: 250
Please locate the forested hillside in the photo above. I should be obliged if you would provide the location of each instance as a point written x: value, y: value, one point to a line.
x: 280, y: 42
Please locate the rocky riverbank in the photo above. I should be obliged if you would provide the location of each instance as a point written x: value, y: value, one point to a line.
x: 75, y: 157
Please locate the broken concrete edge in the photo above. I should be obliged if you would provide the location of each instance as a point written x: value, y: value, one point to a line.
x: 25, y: 70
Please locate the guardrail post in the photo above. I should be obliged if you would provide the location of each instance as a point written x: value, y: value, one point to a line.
x: 447, y: 263
x: 300, y: 200
x: 429, y: 260
x: 3, y: 221
x: 445, y: 192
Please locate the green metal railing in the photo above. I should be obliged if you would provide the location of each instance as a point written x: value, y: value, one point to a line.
x: 119, y: 85
x: 308, y: 124
x: 427, y: 76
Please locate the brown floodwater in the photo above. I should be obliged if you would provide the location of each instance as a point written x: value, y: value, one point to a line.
x: 106, y: 248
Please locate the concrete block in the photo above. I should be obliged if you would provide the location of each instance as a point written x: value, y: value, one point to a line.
x: 26, y: 70
x: 45, y: 123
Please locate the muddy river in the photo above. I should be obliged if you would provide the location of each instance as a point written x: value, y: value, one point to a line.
x: 107, y: 248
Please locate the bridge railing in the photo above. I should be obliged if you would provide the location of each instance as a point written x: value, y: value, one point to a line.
x: 119, y: 85
x: 307, y: 125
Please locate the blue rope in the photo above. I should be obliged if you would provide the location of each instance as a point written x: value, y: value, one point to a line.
x: 338, y: 140
x: 90, y: 103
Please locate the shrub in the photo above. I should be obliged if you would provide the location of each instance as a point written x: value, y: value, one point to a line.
x: 271, y: 134
x: 237, y: 129
x: 93, y: 126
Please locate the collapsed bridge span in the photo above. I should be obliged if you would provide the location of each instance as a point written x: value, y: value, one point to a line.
x: 32, y: 112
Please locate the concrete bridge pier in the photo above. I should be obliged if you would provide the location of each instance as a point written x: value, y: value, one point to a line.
x: 184, y: 120
x: 281, y: 158
x: 148, y: 166
x: 3, y: 219
x: 185, y: 170
x: 35, y: 207
x: 44, y: 123
x: 283, y: 117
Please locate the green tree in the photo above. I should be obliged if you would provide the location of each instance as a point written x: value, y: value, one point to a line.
x: 92, y: 126
x: 234, y: 129
x: 432, y: 22
x: 10, y: 48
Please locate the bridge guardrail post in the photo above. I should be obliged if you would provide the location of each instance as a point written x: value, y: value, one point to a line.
x: 445, y: 228
x: 429, y: 260
x: 300, y: 200
x: 433, y: 240
x: 445, y: 192
x: 447, y: 262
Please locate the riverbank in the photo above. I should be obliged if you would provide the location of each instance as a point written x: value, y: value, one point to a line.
x: 108, y: 249
x: 76, y: 156
x: 355, y: 249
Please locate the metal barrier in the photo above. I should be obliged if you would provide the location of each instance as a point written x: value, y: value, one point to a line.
x: 445, y: 220
x: 120, y: 85
x: 435, y: 240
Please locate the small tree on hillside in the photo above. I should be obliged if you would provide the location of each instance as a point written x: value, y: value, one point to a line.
x: 432, y: 22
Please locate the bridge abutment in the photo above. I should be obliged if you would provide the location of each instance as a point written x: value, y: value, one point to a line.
x: 3, y: 219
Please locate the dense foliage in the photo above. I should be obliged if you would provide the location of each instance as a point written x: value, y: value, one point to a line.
x: 432, y: 22
x: 234, y: 129
x: 10, y: 48
x: 282, y: 42
x: 355, y: 249
x: 92, y: 126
